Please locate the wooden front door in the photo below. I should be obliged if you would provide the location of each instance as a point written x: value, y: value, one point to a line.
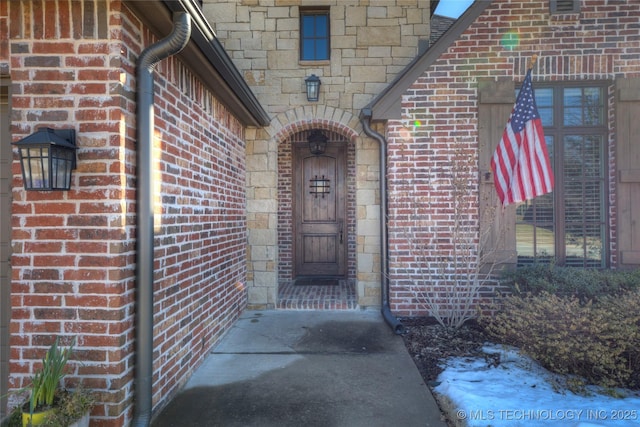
x: 320, y: 211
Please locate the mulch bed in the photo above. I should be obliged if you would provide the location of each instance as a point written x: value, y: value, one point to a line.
x: 430, y: 344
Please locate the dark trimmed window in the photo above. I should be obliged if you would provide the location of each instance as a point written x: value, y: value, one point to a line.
x: 314, y: 34
x: 569, y: 226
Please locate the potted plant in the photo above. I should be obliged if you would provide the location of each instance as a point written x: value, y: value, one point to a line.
x: 71, y: 409
x: 49, y: 404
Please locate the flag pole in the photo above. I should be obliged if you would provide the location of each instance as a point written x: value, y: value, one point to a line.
x: 534, y: 58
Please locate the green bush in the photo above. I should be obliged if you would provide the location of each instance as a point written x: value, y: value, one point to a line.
x: 584, y: 284
x: 597, y: 341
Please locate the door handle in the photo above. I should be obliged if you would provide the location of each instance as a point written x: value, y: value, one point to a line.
x: 341, y: 227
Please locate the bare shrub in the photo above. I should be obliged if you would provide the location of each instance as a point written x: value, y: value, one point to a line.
x: 437, y: 224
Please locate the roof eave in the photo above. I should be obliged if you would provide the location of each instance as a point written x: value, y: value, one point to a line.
x: 205, y: 56
x: 387, y: 105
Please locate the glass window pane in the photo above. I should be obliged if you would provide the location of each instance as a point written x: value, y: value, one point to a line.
x: 572, y: 97
x: 593, y: 155
x: 594, y: 110
x: 574, y: 242
x: 543, y: 210
x: 535, y: 236
x: 545, y: 242
x: 321, y: 26
x: 572, y: 157
x: 548, y: 139
x: 544, y: 102
x: 573, y: 116
x: 307, y: 50
x: 594, y: 242
x: 321, y: 49
x: 308, y: 29
x: 583, y: 157
x: 583, y: 106
x: 546, y: 116
x: 572, y: 100
x: 524, y: 239
x: 544, y: 97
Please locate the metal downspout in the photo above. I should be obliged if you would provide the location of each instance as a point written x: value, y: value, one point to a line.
x: 170, y: 45
x: 392, y: 321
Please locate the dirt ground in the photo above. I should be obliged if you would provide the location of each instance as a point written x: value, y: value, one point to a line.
x: 430, y: 344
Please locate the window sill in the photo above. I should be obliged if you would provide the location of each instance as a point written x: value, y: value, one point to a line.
x: 314, y: 63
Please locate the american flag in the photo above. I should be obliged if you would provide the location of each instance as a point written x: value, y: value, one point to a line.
x: 520, y: 164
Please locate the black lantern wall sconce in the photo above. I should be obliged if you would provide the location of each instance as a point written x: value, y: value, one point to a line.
x: 313, y: 88
x: 47, y: 158
x: 317, y: 142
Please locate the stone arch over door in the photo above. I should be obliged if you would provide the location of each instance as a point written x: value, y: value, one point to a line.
x: 266, y: 268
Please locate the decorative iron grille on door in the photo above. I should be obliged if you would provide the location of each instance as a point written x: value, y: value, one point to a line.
x: 319, y: 186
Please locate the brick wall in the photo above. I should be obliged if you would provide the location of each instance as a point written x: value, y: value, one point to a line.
x: 73, y: 261
x: 440, y: 109
x: 200, y: 253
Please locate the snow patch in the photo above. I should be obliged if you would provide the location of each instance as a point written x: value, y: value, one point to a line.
x: 519, y: 392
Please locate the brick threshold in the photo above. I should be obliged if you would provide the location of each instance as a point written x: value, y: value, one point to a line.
x: 340, y: 297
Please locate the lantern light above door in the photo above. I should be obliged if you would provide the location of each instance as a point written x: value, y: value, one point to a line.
x: 313, y: 88
x: 317, y: 142
x: 47, y: 158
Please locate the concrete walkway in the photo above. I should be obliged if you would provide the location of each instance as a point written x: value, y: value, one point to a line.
x: 306, y: 368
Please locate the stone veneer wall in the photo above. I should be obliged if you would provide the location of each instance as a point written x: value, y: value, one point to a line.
x: 371, y: 41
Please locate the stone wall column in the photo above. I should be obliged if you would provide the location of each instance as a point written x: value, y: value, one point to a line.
x: 262, y: 219
x: 368, y: 222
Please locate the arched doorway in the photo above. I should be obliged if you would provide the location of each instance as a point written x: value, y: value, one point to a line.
x: 319, y: 208
x: 316, y: 222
